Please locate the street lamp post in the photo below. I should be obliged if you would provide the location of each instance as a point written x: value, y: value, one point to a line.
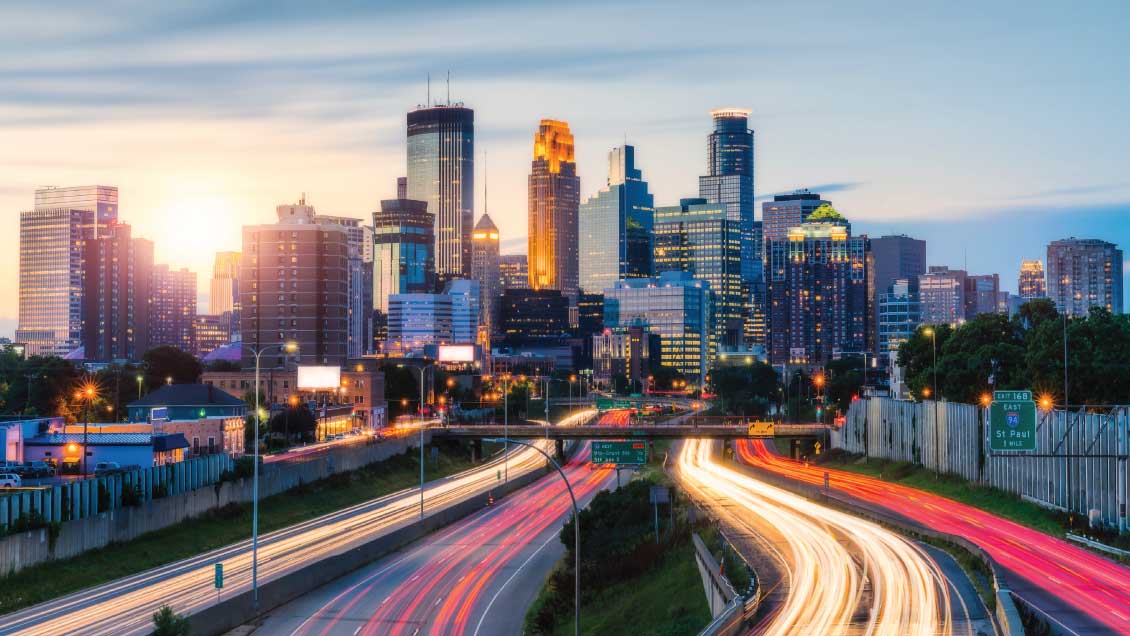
x: 576, y: 530
x: 422, y: 370
x: 288, y: 347
x: 937, y: 439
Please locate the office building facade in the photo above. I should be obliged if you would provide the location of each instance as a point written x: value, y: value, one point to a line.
x: 817, y: 283
x: 729, y: 178
x: 1084, y: 273
x: 787, y: 211
x: 1031, y: 282
x: 514, y: 271
x: 403, y: 248
x: 701, y: 239
x: 899, y: 316
x: 554, y: 198
x: 441, y: 173
x: 118, y: 271
x: 294, y: 288
x: 941, y: 294
x: 983, y: 295
x: 676, y: 307
x: 615, y: 226
x: 628, y: 352
x: 52, y: 238
x: 223, y: 297
x: 534, y: 313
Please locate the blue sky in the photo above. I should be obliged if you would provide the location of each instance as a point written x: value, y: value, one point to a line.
x: 988, y: 129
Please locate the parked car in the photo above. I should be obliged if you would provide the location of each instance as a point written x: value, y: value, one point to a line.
x: 10, y: 480
x: 106, y: 468
x: 42, y: 469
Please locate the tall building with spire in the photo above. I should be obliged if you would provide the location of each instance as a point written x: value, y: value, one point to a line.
x: 485, y: 270
x: 441, y: 172
x: 554, y: 197
x: 615, y: 226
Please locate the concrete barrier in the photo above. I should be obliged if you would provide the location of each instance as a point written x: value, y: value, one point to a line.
x: 237, y: 610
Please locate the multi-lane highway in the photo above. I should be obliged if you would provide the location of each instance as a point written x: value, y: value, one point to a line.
x: 124, y: 607
x: 843, y: 575
x: 476, y: 577
x: 1082, y: 592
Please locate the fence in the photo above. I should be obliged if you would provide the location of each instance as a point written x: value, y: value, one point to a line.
x: 1079, y: 463
x: 169, y: 494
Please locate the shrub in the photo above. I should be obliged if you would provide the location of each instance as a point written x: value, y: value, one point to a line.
x: 168, y: 623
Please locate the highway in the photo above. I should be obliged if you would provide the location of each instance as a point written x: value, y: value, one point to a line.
x: 843, y: 575
x: 1084, y: 593
x: 124, y: 607
x: 476, y: 577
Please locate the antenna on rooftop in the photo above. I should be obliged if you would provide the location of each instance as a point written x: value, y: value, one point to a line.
x: 428, y: 99
x: 448, y: 87
x: 486, y: 205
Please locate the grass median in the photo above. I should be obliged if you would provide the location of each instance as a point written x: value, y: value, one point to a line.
x: 224, y: 526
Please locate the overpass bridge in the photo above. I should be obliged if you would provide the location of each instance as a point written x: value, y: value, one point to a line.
x: 681, y: 430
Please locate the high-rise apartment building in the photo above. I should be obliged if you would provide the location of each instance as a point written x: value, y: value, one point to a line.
x: 701, y: 239
x: 899, y: 315
x: 209, y: 332
x: 485, y: 270
x: 941, y: 295
x: 359, y: 311
x: 403, y: 248
x: 1031, y: 282
x: 615, y: 226
x: 787, y: 211
x: 118, y: 271
x: 676, y: 306
x: 554, y: 196
x: 172, y: 307
x: 817, y: 281
x: 52, y: 237
x: 514, y: 270
x: 441, y: 172
x: 295, y: 287
x: 1085, y: 273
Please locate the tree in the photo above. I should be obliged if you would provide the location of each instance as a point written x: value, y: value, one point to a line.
x: 48, y: 382
x: 843, y: 381
x: 400, y: 385
x: 988, y: 347
x: 294, y: 421
x: 664, y: 378
x: 916, y: 356
x: 164, y: 362
x: 168, y: 623
x: 746, y: 390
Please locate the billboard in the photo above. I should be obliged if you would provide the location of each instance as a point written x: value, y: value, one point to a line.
x: 457, y: 353
x: 319, y: 377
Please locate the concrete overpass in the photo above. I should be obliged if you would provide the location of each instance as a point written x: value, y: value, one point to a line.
x: 655, y: 431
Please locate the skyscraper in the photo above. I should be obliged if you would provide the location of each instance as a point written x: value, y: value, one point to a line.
x: 941, y: 294
x: 729, y: 177
x: 403, y: 248
x: 983, y: 295
x: 294, y: 287
x: 515, y: 271
x: 676, y: 306
x: 553, y: 201
x: 1031, y: 282
x: 895, y: 257
x: 172, y: 307
x: 615, y: 225
x: 699, y: 238
x: 223, y: 298
x: 359, y: 283
x: 817, y: 287
x: 485, y: 270
x: 118, y: 273
x: 899, y: 315
x: 1084, y: 273
x: 441, y: 172
x: 52, y: 237
x: 787, y: 211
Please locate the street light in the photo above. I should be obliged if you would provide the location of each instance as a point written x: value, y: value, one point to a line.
x: 929, y: 331
x: 576, y: 530
x: 421, y: 369
x: 288, y: 347
x: 139, y: 379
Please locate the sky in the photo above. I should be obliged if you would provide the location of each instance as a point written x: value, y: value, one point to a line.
x: 988, y: 129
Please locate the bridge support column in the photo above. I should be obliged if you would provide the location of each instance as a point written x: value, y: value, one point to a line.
x: 559, y: 450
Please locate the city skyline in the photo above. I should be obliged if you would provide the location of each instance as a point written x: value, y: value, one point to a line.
x: 958, y: 186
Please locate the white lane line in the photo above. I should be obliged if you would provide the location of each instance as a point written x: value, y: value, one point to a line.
x: 486, y: 611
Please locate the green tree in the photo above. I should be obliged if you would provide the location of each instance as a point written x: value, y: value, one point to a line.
x: 297, y: 421
x: 48, y: 381
x: 400, y: 385
x: 843, y: 381
x: 664, y: 378
x: 916, y: 356
x: 990, y: 345
x: 745, y: 390
x: 168, y: 623
x: 164, y: 362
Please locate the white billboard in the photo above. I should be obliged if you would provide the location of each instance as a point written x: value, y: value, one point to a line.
x: 457, y: 353
x: 317, y: 377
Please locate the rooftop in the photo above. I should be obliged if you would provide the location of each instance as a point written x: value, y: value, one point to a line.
x: 187, y: 395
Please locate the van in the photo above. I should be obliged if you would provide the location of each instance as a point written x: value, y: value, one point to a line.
x: 10, y: 480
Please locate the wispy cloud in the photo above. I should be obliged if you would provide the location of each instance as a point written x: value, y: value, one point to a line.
x: 823, y: 188
x: 1101, y: 188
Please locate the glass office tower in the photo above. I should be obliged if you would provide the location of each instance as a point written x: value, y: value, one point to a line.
x: 615, y: 225
x: 441, y: 172
x: 403, y: 244
x: 729, y: 178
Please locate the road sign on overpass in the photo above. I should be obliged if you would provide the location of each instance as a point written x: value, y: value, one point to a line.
x: 619, y: 452
x: 1012, y: 421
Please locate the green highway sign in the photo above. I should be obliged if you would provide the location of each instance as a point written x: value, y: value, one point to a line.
x: 619, y: 452
x: 603, y: 404
x: 1012, y: 421
x: 623, y: 404
x: 219, y: 582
